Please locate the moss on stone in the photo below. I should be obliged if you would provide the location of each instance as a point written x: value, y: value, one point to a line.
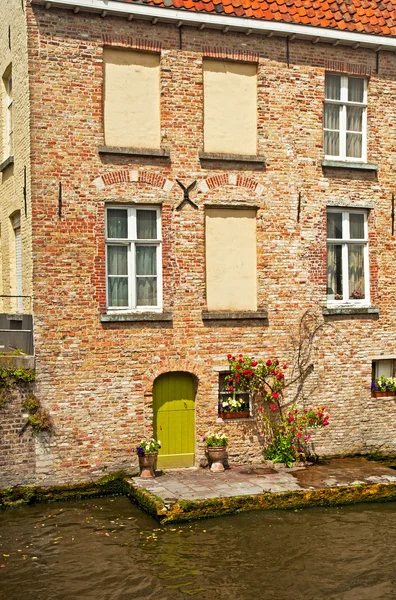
x: 189, y: 510
x: 340, y: 496
x: 106, y: 486
x: 147, y: 501
x: 387, y: 461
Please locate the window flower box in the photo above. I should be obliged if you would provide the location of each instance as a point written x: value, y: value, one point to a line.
x: 387, y: 394
x: 242, y: 414
x: 383, y: 387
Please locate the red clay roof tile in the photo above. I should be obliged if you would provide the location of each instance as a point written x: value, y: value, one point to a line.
x: 366, y: 16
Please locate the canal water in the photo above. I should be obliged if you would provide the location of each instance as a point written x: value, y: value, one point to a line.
x: 107, y: 549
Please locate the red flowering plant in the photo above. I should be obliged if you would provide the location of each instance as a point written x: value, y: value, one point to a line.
x: 292, y: 435
x: 250, y: 375
x: 289, y: 430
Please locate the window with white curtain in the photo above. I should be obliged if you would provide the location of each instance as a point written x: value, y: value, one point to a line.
x: 345, y: 119
x: 347, y: 257
x: 133, y: 258
x: 383, y: 368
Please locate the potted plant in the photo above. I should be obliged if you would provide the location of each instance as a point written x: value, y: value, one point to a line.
x: 147, y: 452
x: 383, y: 387
x: 216, y: 449
x: 233, y: 408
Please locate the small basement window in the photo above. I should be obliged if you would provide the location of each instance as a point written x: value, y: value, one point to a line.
x: 383, y: 368
x: 232, y: 405
x: 383, y: 375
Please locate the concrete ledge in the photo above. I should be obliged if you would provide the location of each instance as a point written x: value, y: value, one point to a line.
x: 351, y: 310
x: 106, y: 486
x: 340, y: 164
x: 125, y: 318
x: 160, y: 152
x: 6, y: 162
x: 233, y: 315
x: 247, y: 158
x: 191, y: 510
x: 17, y: 361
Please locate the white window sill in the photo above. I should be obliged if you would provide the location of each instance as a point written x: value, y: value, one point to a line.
x: 136, y: 316
x: 350, y: 309
x: 346, y: 164
x: 8, y: 161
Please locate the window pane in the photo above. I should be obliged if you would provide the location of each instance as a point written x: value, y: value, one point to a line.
x: 118, y: 291
x: 332, y: 143
x: 117, y: 260
x: 334, y: 272
x: 354, y: 145
x: 355, y: 89
x: 334, y: 225
x: 356, y: 226
x: 356, y: 271
x: 146, y: 224
x: 146, y: 260
x: 117, y: 223
x: 354, y: 118
x: 333, y: 87
x: 332, y: 116
x: 384, y: 368
x: 146, y: 291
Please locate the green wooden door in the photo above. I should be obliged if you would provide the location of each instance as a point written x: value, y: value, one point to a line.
x: 174, y: 419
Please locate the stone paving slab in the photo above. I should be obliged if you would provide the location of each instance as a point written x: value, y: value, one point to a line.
x: 175, y: 487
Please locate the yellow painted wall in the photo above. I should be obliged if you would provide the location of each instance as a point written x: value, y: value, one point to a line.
x: 131, y: 99
x: 12, y: 178
x: 231, y: 259
x: 230, y: 107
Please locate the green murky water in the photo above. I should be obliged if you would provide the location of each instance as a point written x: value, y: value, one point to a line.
x: 107, y: 549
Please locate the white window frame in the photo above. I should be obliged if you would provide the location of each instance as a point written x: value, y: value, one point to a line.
x: 343, y: 103
x: 131, y: 242
x: 378, y: 367
x: 10, y: 125
x: 223, y: 393
x: 345, y: 241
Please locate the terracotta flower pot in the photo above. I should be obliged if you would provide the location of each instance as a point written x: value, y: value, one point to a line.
x: 235, y: 415
x: 147, y: 464
x: 216, y: 456
x: 382, y: 394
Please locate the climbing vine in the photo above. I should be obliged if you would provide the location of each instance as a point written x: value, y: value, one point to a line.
x: 20, y: 378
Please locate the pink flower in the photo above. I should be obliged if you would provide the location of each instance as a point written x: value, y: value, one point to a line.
x: 298, y: 435
x: 260, y: 408
x: 306, y: 438
x: 254, y: 363
x: 229, y: 356
x: 268, y: 363
x: 275, y: 395
x: 272, y: 407
x: 230, y: 388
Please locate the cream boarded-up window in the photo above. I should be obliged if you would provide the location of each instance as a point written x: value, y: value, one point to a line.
x: 230, y: 107
x: 231, y: 259
x: 131, y: 98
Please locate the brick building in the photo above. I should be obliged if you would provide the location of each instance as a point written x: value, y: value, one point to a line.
x: 180, y: 180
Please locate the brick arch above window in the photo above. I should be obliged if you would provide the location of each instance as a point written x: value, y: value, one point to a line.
x: 210, y: 183
x: 133, y: 176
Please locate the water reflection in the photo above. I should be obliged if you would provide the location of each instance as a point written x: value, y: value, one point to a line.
x: 106, y: 549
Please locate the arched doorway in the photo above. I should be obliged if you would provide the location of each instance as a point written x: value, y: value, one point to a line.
x: 174, y: 419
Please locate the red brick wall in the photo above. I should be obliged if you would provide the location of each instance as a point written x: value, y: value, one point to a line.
x: 96, y: 378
